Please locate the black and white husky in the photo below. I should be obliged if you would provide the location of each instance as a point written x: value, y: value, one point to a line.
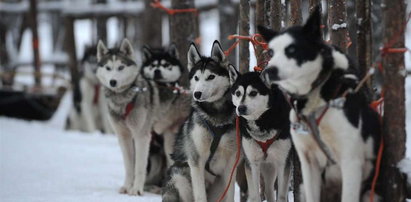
x: 162, y: 65
x: 314, y: 74
x: 91, y: 113
x: 265, y: 129
x: 136, y: 107
x: 207, y: 142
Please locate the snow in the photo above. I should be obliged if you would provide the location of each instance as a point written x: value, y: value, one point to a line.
x: 339, y: 26
x: 405, y: 167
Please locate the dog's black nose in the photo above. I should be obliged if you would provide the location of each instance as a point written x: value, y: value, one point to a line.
x: 270, y: 74
x: 113, y: 83
x: 242, y: 109
x: 157, y: 74
x: 197, y: 94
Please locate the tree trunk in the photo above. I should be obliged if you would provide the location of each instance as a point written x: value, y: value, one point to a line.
x: 244, y: 30
x: 296, y: 17
x: 35, y: 42
x: 182, y: 31
x: 228, y: 25
x: 102, y: 25
x: 259, y: 20
x: 337, y: 23
x: 276, y: 15
x: 394, y: 104
x: 152, y: 32
x: 352, y: 28
x: 364, y: 35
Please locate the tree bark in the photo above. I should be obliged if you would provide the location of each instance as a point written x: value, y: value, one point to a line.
x: 364, y: 35
x: 183, y: 31
x: 228, y: 25
x: 35, y: 42
x: 244, y: 30
x: 276, y: 15
x: 102, y: 25
x: 337, y: 23
x: 296, y: 17
x: 394, y: 104
x: 152, y: 32
x: 259, y: 20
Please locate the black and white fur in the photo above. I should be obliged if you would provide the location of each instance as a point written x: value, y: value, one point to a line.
x: 300, y: 59
x: 90, y: 112
x: 263, y: 115
x: 212, y: 108
x: 153, y: 110
x: 162, y: 65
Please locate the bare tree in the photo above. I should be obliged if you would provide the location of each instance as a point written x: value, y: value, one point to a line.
x: 228, y: 25
x: 259, y: 20
x: 337, y: 22
x: 394, y: 103
x: 183, y: 31
x: 244, y: 29
x: 296, y: 17
x: 364, y: 35
x: 152, y: 25
x: 35, y: 42
x: 101, y: 25
x: 276, y: 15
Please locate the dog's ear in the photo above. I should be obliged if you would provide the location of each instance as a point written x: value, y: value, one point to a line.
x: 127, y: 48
x: 313, y: 25
x: 101, y: 50
x: 233, y: 74
x: 146, y: 52
x: 266, y: 33
x: 193, y: 56
x: 172, y: 50
x: 217, y: 52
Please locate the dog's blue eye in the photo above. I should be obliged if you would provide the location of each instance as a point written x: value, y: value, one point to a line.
x: 253, y: 93
x: 270, y: 53
x: 108, y: 68
x: 196, y: 78
x: 120, y: 68
x: 290, y: 49
x: 238, y: 93
x: 211, y: 77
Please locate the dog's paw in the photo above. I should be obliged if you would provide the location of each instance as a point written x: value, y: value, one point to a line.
x: 135, y: 191
x: 124, y: 189
x: 152, y: 189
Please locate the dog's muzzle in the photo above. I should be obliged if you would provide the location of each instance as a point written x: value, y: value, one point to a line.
x: 157, y: 74
x: 269, y: 75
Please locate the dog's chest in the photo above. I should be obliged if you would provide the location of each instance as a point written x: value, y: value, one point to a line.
x: 258, y: 133
x: 276, y: 152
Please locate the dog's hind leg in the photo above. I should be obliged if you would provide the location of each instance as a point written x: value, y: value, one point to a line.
x: 351, y: 178
x: 253, y: 180
x: 269, y: 173
x: 141, y: 139
x: 127, y: 148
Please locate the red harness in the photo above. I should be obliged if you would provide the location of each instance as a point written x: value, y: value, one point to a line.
x: 265, y: 145
x: 96, y: 93
x: 129, y: 108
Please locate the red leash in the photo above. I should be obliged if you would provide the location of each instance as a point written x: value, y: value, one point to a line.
x: 238, y: 138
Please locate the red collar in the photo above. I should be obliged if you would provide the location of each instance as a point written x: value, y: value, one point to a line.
x: 96, y: 93
x: 265, y: 145
x: 129, y: 108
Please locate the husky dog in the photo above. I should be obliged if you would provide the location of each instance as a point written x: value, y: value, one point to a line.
x: 315, y: 74
x: 162, y: 65
x: 207, y: 142
x: 265, y: 129
x: 91, y: 114
x: 136, y: 107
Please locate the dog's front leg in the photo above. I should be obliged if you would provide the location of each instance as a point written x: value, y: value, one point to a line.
x: 269, y: 174
x: 198, y: 181
x: 351, y: 170
x: 311, y: 176
x: 252, y: 173
x: 127, y: 148
x: 141, y: 148
x: 283, y: 181
x: 169, y: 140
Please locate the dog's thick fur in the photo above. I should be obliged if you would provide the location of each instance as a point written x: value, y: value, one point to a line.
x: 90, y: 112
x: 313, y: 74
x: 264, y: 116
x: 153, y: 110
x: 212, y: 113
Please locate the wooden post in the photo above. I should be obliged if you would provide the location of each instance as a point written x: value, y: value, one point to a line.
x: 244, y: 30
x: 394, y: 135
x: 35, y: 43
x: 101, y: 25
x: 183, y: 31
x: 296, y: 17
x: 70, y: 47
x: 152, y: 27
x: 259, y: 20
x: 276, y: 15
x: 337, y: 23
x: 364, y: 35
x: 228, y: 26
